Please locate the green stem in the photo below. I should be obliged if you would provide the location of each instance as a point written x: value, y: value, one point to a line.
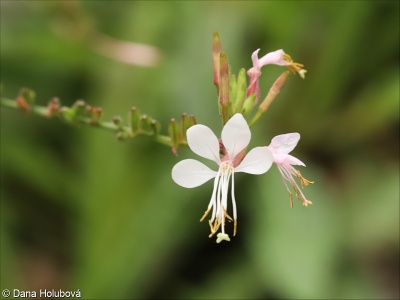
x: 125, y: 130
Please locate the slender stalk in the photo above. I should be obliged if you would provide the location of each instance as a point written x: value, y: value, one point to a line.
x: 122, y: 131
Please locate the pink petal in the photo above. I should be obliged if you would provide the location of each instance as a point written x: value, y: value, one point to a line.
x: 191, y: 173
x: 235, y: 135
x: 273, y: 58
x: 284, y: 143
x: 254, y: 59
x: 203, y: 142
x: 257, y: 161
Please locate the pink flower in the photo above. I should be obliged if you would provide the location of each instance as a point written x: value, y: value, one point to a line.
x: 191, y: 173
x: 278, y: 57
x: 280, y: 147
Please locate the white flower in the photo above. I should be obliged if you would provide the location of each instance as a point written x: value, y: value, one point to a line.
x: 191, y: 173
x: 280, y: 147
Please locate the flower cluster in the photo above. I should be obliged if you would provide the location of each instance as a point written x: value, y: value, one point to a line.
x: 236, y: 101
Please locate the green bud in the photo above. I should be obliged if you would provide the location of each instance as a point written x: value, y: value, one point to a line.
x: 117, y: 120
x: 156, y: 127
x: 185, y: 124
x: 95, y: 114
x: 28, y: 94
x: 248, y: 105
x: 134, y: 116
x: 174, y: 133
x: 70, y: 113
x: 192, y: 121
x: 224, y: 88
x: 145, y: 124
x: 232, y: 94
x: 241, y: 91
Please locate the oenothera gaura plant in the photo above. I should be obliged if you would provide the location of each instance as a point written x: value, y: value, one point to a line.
x: 236, y: 101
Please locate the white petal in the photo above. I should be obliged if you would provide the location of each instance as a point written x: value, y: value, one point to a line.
x: 273, y: 58
x: 257, y: 161
x: 293, y: 161
x: 235, y: 135
x: 203, y: 142
x: 190, y: 173
x: 285, y: 143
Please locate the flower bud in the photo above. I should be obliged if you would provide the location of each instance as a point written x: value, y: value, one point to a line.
x: 241, y: 88
x: 95, y: 114
x: 145, y: 124
x: 216, y: 50
x: 53, y: 107
x: 155, y: 126
x: 224, y: 88
x: 248, y: 105
x: 28, y: 95
x: 70, y: 113
x: 184, y: 126
x: 134, y: 116
x: 174, y: 133
x: 117, y: 120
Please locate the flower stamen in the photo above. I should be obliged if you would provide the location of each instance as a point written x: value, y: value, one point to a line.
x: 293, y: 66
x: 304, y: 182
x: 205, y: 215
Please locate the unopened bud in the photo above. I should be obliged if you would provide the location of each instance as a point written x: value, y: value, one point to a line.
x: 224, y: 88
x: 28, y: 94
x: 145, y: 124
x: 117, y: 121
x: 248, y: 105
x: 22, y: 104
x: 134, y: 117
x: 156, y: 127
x: 70, y: 113
x: 95, y: 114
x: 174, y: 133
x: 274, y: 91
x: 241, y: 88
x: 216, y: 50
x: 53, y: 107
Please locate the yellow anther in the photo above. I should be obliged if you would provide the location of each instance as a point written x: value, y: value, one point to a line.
x: 293, y: 66
x: 304, y: 182
x: 205, y: 215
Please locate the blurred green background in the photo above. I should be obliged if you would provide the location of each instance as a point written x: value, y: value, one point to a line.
x: 82, y: 210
